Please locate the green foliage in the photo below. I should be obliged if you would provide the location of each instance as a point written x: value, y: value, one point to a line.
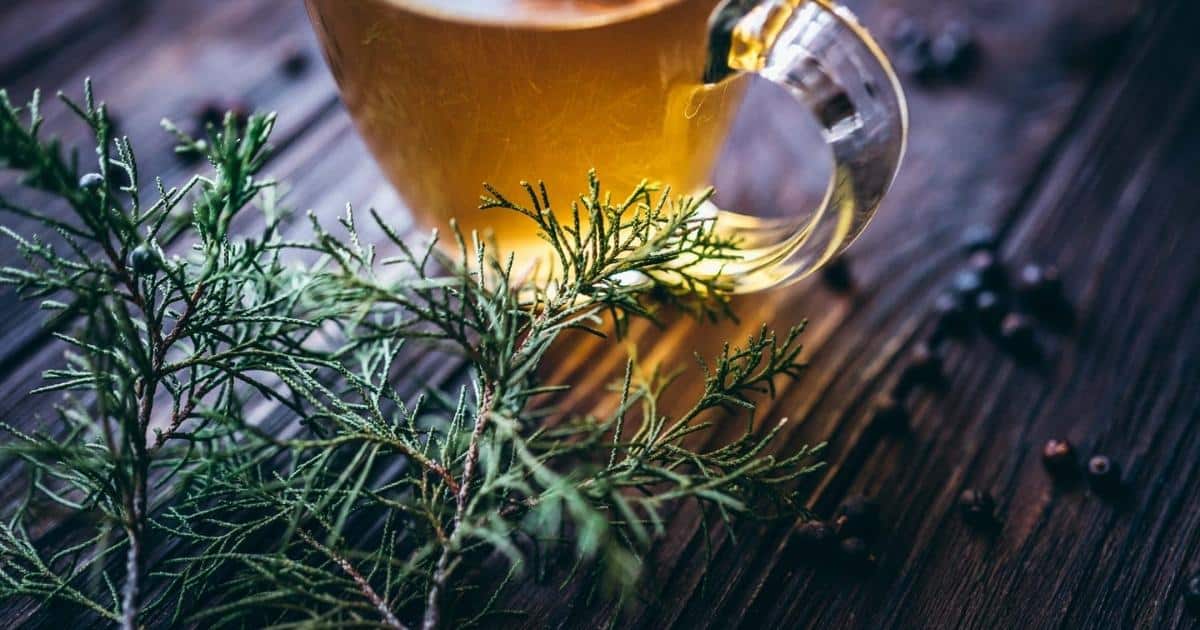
x: 234, y: 445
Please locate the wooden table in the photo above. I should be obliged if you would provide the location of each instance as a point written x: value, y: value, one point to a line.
x: 1078, y: 138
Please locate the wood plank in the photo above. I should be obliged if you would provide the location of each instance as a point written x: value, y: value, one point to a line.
x: 327, y: 162
x: 213, y: 37
x: 999, y: 437
x: 188, y: 40
x: 969, y: 437
x: 32, y: 31
x: 1012, y: 118
x: 1032, y: 144
x: 327, y: 165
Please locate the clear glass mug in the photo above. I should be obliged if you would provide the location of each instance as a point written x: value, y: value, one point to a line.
x: 449, y: 94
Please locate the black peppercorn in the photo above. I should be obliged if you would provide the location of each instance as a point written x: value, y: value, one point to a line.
x: 210, y: 113
x: 213, y: 113
x: 953, y: 52
x: 1191, y: 594
x: 990, y: 269
x: 912, y: 51
x: 977, y: 506
x: 927, y: 361
x: 814, y: 538
x: 952, y: 318
x: 944, y: 52
x: 240, y: 110
x: 1039, y: 283
x: 856, y: 553
x: 1059, y: 456
x: 979, y: 238
x: 924, y: 367
x: 1103, y: 472
x: 990, y: 309
x: 914, y: 62
x: 967, y: 285
x: 857, y: 516
x: 890, y: 415
x: 907, y: 31
x: 837, y: 275
x: 295, y: 63
x: 1040, y: 288
x: 143, y: 260
x: 91, y: 181
x: 1017, y: 333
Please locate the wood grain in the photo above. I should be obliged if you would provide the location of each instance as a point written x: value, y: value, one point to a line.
x: 1077, y: 137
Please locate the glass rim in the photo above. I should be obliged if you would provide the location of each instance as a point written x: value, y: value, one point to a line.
x: 540, y: 14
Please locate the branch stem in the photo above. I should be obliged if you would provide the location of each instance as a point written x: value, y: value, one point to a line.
x: 389, y: 618
x: 442, y: 571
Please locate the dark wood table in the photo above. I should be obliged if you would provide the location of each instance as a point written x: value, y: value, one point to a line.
x: 1077, y: 138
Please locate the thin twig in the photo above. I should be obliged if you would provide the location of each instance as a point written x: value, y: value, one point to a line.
x: 441, y: 572
x: 131, y: 588
x: 134, y: 529
x: 375, y: 438
x: 181, y: 324
x: 363, y: 585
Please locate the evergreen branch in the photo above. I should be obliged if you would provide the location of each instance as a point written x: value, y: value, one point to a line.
x: 225, y: 398
x: 363, y: 584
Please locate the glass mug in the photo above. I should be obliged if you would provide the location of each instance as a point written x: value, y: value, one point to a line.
x: 449, y: 94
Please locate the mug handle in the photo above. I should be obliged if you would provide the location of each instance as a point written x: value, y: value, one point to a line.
x: 820, y: 54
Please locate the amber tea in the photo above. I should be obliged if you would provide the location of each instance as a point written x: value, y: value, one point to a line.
x: 449, y: 94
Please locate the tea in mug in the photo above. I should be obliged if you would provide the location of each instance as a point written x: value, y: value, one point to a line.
x: 449, y: 94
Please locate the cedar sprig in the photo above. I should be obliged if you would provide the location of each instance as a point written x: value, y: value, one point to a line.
x: 238, y: 445
x: 159, y: 348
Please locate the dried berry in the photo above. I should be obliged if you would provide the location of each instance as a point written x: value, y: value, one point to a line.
x: 953, y: 51
x: 814, y: 537
x: 295, y: 63
x: 906, y: 32
x: 1059, y: 456
x: 1038, y: 280
x: 890, y: 415
x: 837, y: 276
x: 924, y: 368
x: 143, y: 260
x: 967, y: 285
x: 1040, y: 286
x: 1041, y: 291
x: 1016, y: 331
x: 1104, y: 473
x: 91, y: 181
x: 857, y: 516
x: 926, y: 361
x: 913, y: 59
x: 990, y: 309
x: 240, y: 110
x: 977, y: 506
x: 991, y: 271
x: 212, y: 113
x: 856, y: 553
x: 952, y: 319
x: 979, y: 238
x: 1191, y: 594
